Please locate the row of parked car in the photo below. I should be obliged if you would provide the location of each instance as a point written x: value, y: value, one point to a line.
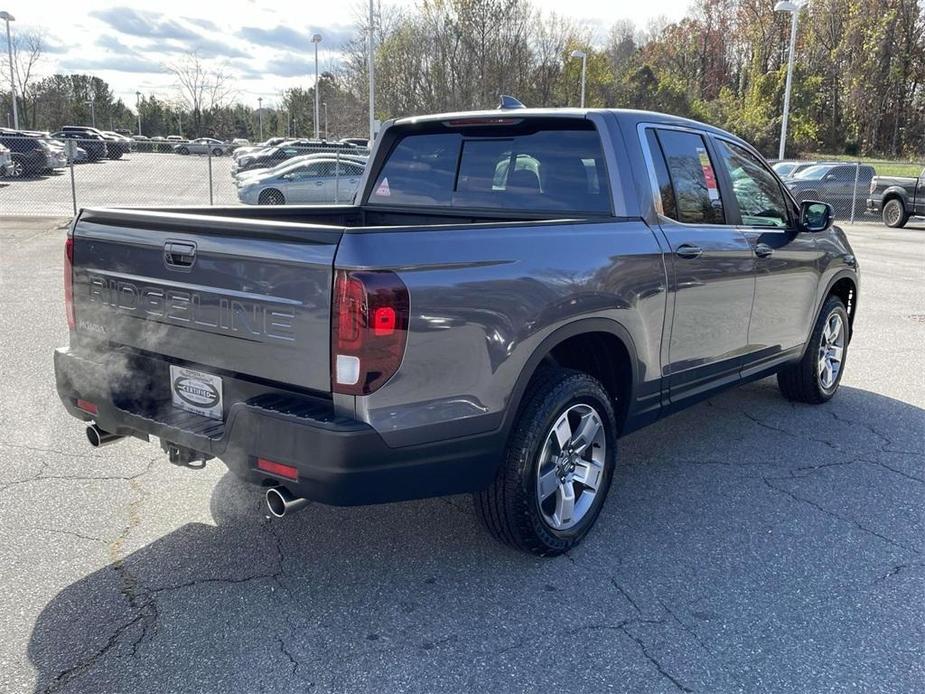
x: 26, y: 153
x: 844, y: 184
x: 301, y: 171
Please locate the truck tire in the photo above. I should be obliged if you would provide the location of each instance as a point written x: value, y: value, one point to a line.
x: 815, y: 378
x: 557, y: 467
x: 894, y: 213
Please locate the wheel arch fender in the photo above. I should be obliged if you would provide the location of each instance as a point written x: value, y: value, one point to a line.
x: 895, y: 193
x: 556, y: 338
x: 843, y: 274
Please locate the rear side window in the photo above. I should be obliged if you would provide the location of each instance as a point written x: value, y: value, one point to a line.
x: 526, y: 168
x: 693, y: 178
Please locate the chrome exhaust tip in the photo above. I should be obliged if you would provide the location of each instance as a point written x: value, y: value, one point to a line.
x: 98, y: 437
x: 281, y: 501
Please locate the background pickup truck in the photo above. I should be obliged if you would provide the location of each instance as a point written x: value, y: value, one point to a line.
x: 512, y: 291
x: 897, y: 198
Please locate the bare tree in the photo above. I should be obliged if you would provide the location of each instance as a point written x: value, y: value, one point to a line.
x: 28, y: 48
x: 202, y: 88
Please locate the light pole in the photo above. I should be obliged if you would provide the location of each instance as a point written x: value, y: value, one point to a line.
x: 372, y: 78
x: 260, y: 116
x: 325, y: 120
x: 584, y: 66
x: 7, y: 17
x: 316, y: 39
x: 92, y: 112
x: 793, y: 7
x: 138, y: 109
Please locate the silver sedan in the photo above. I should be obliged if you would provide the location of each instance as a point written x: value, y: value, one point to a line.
x: 317, y: 181
x: 203, y: 145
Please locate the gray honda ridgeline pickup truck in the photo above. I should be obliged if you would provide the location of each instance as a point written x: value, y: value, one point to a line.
x: 511, y: 292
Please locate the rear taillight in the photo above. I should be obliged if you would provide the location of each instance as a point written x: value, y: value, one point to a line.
x: 873, y: 186
x: 69, y: 282
x: 369, y: 326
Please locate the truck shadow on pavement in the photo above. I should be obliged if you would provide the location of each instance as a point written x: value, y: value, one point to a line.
x: 745, y: 541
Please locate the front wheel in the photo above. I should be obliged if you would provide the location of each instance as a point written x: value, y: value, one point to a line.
x: 557, y: 468
x: 894, y: 214
x: 216, y: 152
x: 815, y: 378
x: 17, y: 168
x: 183, y: 150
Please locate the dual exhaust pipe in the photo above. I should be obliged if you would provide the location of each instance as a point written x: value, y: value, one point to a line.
x: 280, y: 500
x: 99, y: 437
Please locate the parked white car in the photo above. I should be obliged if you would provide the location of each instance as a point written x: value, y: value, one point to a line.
x: 203, y: 145
x: 316, y: 181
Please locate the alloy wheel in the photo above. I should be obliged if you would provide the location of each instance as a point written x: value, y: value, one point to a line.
x: 831, y: 351
x: 571, y: 467
x: 892, y: 213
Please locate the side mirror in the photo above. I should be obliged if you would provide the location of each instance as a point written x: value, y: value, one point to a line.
x: 816, y: 216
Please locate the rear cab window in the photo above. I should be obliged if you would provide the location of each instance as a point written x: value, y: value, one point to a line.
x: 687, y: 181
x: 528, y: 165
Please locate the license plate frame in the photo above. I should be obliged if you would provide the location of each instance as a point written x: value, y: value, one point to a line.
x: 196, y: 391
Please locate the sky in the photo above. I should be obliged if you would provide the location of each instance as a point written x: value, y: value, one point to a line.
x: 265, y: 45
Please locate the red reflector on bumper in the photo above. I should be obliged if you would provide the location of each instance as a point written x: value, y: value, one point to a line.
x: 86, y: 406
x: 287, y: 471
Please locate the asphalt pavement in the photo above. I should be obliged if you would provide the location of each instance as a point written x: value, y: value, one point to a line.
x: 747, y: 545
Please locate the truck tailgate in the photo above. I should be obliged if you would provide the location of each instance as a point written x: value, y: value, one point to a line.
x: 248, y: 296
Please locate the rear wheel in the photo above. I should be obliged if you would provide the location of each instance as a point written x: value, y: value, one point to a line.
x: 183, y: 150
x: 815, y: 378
x: 217, y: 152
x: 557, y: 468
x: 271, y: 197
x: 894, y: 213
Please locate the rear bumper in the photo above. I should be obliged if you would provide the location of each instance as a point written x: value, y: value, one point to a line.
x: 340, y: 461
x: 873, y: 206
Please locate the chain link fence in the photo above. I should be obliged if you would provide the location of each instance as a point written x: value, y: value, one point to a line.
x: 43, y: 175
x: 853, y: 188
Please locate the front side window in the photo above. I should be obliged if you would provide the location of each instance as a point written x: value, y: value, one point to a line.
x: 757, y: 192
x: 693, y: 177
x: 523, y: 167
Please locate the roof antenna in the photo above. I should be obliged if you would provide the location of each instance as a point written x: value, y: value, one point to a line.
x: 509, y: 102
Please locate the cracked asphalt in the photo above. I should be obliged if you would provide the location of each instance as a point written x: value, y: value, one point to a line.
x: 748, y: 544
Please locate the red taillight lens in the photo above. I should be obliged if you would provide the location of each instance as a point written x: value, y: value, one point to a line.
x: 873, y: 186
x: 87, y: 407
x: 287, y: 471
x: 369, y: 328
x: 69, y: 282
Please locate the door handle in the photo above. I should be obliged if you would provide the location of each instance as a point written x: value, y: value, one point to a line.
x: 688, y: 250
x: 179, y: 255
x: 763, y: 250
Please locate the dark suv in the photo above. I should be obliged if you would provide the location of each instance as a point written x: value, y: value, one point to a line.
x: 116, y: 145
x: 93, y: 143
x: 30, y: 155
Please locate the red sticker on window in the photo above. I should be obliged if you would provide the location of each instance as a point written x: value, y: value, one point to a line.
x: 383, y: 189
x: 708, y: 174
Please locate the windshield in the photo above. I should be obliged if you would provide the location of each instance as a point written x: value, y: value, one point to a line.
x: 523, y: 166
x: 782, y: 169
x: 813, y: 173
